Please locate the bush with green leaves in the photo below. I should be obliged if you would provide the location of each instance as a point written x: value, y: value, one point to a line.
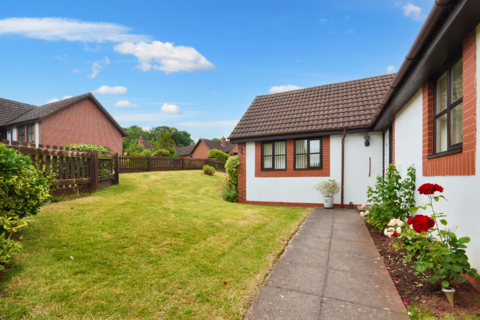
x: 146, y: 153
x: 391, y: 198
x: 161, y: 153
x: 208, y: 170
x: 232, y: 165
x: 104, y: 169
x: 23, y: 190
x: 217, y: 154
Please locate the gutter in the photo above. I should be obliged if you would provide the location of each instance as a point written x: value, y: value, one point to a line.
x: 343, y: 165
x: 434, y: 16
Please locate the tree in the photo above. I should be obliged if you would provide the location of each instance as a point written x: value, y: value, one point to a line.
x: 163, y: 140
x: 218, y: 154
x: 181, y: 138
x: 134, y: 133
x: 216, y: 139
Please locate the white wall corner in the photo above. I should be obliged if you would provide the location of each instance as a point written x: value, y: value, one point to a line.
x: 37, y: 134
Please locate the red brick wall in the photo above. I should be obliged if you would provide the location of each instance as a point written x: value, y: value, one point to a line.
x: 290, y: 172
x: 235, y: 149
x: 461, y: 163
x: 201, y: 151
x: 83, y: 122
x: 242, y: 172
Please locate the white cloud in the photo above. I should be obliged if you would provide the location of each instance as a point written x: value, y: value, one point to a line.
x: 110, y: 90
x: 95, y: 70
x: 391, y: 69
x: 55, y: 99
x: 283, y: 88
x: 214, y: 92
x: 58, y: 57
x: 322, y: 21
x: 350, y: 31
x: 208, y: 124
x: 412, y: 11
x: 107, y: 61
x: 125, y: 104
x: 55, y: 29
x: 76, y: 71
x: 170, y: 109
x: 146, y: 129
x: 165, y: 56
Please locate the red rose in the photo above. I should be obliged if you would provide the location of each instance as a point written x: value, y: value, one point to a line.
x: 394, y: 235
x: 410, y: 221
x: 422, y: 223
x: 428, y: 188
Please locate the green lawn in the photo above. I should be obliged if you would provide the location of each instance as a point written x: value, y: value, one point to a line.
x: 166, y: 245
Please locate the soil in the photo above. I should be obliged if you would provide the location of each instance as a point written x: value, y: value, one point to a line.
x: 416, y: 289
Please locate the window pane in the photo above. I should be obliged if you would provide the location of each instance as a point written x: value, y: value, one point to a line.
x: 31, y: 136
x: 457, y: 124
x: 279, y: 162
x: 301, y: 146
x: 441, y: 131
x: 457, y: 81
x: 314, y: 160
x: 441, y: 102
x: 267, y: 162
x: 267, y: 149
x: 301, y: 161
x: 314, y: 146
x: 280, y: 147
x: 21, y: 134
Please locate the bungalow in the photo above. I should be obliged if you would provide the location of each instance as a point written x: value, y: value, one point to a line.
x: 203, y: 147
x: 81, y: 119
x: 425, y: 115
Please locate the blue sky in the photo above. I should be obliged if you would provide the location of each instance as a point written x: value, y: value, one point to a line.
x: 196, y: 65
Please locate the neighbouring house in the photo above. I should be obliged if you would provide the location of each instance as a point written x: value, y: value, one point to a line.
x: 425, y: 115
x: 203, y: 147
x: 80, y: 120
x: 146, y: 144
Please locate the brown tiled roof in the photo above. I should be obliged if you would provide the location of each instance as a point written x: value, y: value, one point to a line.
x: 185, y: 151
x: 10, y: 110
x: 214, y: 144
x: 147, y: 145
x: 350, y: 104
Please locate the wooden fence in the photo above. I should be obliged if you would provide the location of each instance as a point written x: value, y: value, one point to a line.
x: 75, y: 170
x: 144, y: 164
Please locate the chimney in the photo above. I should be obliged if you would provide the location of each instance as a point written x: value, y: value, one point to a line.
x: 192, y: 142
x: 140, y: 141
x: 223, y: 141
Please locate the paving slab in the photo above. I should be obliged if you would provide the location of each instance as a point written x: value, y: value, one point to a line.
x: 329, y: 270
x: 341, y: 310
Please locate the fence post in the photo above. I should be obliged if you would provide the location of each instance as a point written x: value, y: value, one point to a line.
x: 94, y: 170
x: 183, y: 163
x: 149, y: 164
x: 115, y: 165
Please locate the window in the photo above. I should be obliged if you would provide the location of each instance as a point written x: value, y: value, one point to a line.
x: 448, y: 113
x: 30, y: 134
x: 308, y: 154
x: 21, y: 134
x: 274, y: 155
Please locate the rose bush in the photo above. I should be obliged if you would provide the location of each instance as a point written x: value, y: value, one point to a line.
x: 421, y: 222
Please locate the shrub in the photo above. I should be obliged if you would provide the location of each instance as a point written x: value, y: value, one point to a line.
x: 103, y: 170
x: 444, y: 258
x: 161, y: 153
x: 328, y: 188
x: 231, y: 167
x: 391, y: 198
x: 208, y: 170
x: 230, y: 192
x: 146, y: 153
x: 217, y: 154
x: 23, y: 191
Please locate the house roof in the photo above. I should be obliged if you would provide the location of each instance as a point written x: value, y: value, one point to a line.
x: 350, y: 104
x: 24, y: 113
x: 10, y: 110
x: 147, y: 145
x: 211, y: 144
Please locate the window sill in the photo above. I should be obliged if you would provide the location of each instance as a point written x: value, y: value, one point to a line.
x: 306, y: 169
x: 443, y: 154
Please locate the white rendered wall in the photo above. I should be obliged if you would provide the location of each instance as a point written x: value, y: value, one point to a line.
x: 300, y: 189
x: 462, y: 192
x: 37, y: 134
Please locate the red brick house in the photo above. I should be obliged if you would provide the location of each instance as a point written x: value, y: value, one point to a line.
x: 203, y: 147
x: 80, y: 119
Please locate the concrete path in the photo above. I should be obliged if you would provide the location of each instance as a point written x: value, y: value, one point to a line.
x: 330, y: 270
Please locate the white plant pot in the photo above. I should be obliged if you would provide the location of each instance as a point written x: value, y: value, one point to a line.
x: 328, y: 202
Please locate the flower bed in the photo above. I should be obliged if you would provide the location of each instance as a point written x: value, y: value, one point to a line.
x: 416, y: 289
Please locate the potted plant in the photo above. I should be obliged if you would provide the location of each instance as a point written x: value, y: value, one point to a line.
x: 329, y: 188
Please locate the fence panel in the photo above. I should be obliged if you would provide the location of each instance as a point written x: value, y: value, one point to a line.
x: 74, y: 170
x: 144, y: 164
